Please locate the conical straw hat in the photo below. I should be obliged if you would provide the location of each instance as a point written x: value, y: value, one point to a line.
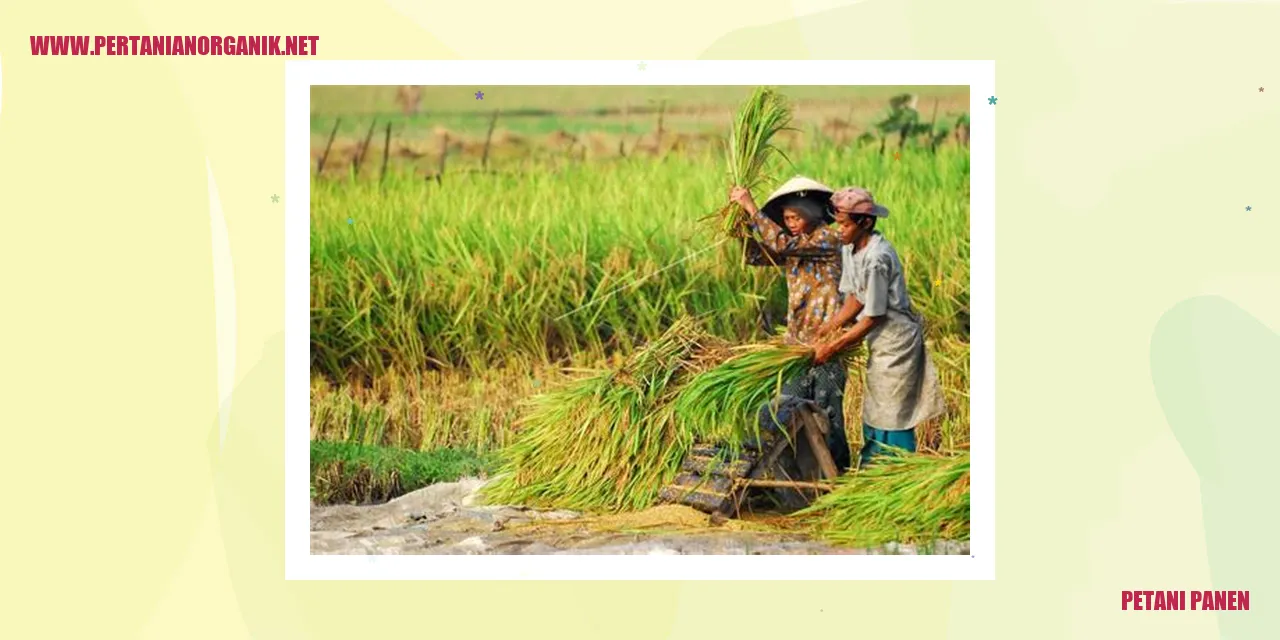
x: 804, y: 188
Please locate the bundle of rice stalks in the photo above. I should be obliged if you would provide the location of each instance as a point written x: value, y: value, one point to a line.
x: 605, y: 442
x: 750, y: 149
x: 722, y: 404
x: 906, y: 499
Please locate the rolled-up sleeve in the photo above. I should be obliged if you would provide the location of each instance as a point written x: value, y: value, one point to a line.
x: 875, y: 298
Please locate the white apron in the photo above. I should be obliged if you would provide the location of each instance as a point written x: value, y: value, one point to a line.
x: 901, y: 386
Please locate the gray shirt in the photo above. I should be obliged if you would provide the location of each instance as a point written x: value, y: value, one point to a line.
x: 900, y: 386
x: 874, y: 276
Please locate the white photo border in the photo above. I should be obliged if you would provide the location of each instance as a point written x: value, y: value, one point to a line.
x: 300, y: 76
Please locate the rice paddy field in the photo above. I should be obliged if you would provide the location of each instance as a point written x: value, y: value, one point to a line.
x: 471, y: 257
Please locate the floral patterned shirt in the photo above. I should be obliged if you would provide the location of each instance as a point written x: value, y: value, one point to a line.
x: 811, y: 262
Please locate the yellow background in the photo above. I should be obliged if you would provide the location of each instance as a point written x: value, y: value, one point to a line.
x: 1131, y: 136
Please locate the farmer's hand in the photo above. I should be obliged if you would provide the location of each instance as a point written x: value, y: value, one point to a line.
x: 741, y: 196
x: 823, y: 352
x: 824, y: 330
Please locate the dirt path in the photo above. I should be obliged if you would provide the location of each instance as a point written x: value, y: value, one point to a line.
x: 445, y: 519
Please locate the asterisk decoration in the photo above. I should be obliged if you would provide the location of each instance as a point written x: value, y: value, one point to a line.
x: 937, y: 283
x: 479, y: 95
x: 350, y: 221
x: 642, y: 66
x: 1248, y: 208
x: 275, y: 198
x: 1259, y: 89
x: 991, y: 100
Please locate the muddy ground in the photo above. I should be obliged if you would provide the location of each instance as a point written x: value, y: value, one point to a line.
x: 447, y: 519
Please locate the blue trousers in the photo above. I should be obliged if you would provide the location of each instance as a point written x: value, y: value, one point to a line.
x: 873, y: 440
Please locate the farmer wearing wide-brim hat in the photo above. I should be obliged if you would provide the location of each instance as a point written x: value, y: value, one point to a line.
x: 794, y: 232
x: 901, y: 385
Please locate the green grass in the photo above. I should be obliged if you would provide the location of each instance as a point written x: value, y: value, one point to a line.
x: 481, y: 269
x: 353, y: 473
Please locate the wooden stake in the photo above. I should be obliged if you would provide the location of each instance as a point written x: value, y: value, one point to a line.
x: 626, y: 126
x: 933, y: 119
x: 657, y: 140
x: 444, y: 153
x: 386, y: 151
x: 325, y: 156
x: 813, y: 431
x: 484, y: 159
x: 364, y: 147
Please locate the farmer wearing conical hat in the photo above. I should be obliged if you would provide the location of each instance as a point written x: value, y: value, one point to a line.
x: 901, y: 388
x: 795, y: 233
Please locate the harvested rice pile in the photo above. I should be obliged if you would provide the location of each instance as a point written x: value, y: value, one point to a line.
x: 605, y: 441
x: 666, y: 516
x: 907, y: 499
x: 611, y: 440
x: 722, y: 403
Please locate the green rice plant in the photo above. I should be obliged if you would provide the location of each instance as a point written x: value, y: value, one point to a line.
x: 462, y: 281
x: 572, y: 265
x: 560, y: 273
x: 585, y: 261
x: 906, y: 498
x: 605, y: 442
x: 721, y: 405
x: 750, y: 149
x: 426, y: 410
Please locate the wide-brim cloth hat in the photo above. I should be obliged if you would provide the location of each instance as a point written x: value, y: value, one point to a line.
x: 799, y: 187
x: 857, y: 201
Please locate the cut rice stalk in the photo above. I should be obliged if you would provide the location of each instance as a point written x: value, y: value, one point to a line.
x: 612, y: 440
x: 750, y: 149
x: 722, y: 404
x: 605, y: 442
x: 904, y: 498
